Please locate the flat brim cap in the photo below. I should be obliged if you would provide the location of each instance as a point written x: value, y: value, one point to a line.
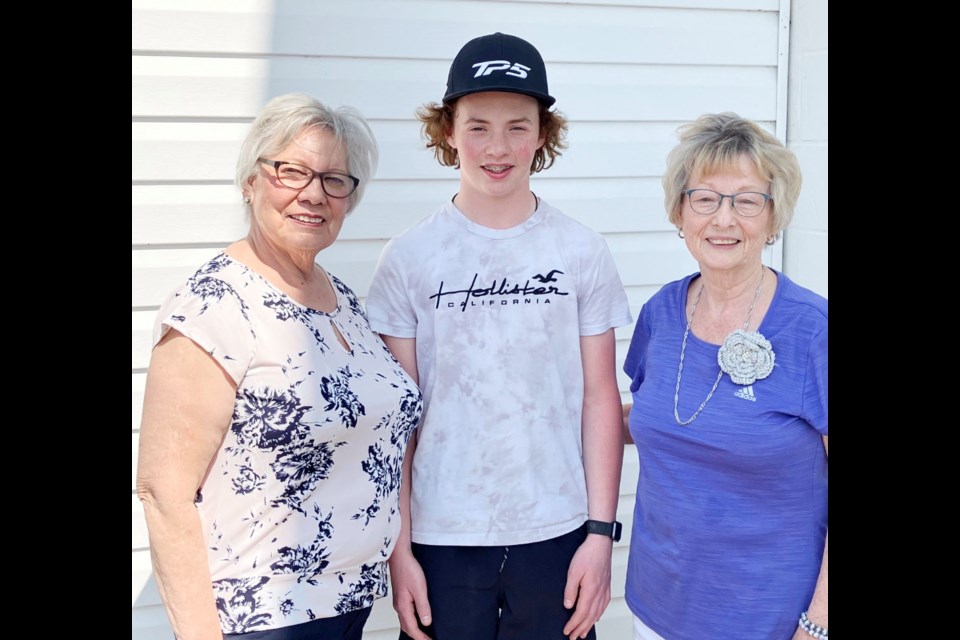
x: 498, y: 62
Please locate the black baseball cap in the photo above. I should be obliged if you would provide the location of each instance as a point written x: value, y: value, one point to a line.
x: 498, y: 62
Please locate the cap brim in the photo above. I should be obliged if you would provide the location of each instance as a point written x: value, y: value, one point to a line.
x: 543, y: 98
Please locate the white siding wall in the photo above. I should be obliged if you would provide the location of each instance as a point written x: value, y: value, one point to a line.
x: 625, y: 73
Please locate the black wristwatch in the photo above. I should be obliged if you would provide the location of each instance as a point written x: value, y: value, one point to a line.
x: 612, y: 529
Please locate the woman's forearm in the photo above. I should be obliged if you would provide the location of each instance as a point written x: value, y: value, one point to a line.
x: 180, y: 567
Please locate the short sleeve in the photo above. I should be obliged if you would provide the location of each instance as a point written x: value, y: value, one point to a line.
x: 815, y: 394
x: 211, y: 312
x: 388, y: 305
x: 602, y: 298
x: 633, y: 363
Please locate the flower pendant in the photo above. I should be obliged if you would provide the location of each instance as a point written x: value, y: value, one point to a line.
x: 746, y: 356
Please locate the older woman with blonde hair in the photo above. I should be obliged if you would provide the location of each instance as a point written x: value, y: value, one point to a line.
x: 274, y: 420
x: 729, y: 414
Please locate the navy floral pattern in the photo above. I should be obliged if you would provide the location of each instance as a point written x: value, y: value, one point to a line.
x: 239, y: 600
x: 300, y: 506
x: 336, y: 390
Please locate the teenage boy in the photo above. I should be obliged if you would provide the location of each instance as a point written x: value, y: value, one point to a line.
x: 504, y: 309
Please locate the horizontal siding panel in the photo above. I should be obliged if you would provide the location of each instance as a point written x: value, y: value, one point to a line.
x: 191, y: 152
x: 646, y: 260
x: 641, y: 259
x: 196, y: 88
x: 150, y: 622
x: 181, y: 214
x: 145, y: 593
x: 634, y: 93
x: 628, y: 485
x: 206, y: 152
x: 628, y: 482
x: 213, y: 214
x: 141, y: 346
x: 642, y: 270
x: 157, y: 273
x: 436, y: 30
x: 184, y: 214
x: 193, y: 87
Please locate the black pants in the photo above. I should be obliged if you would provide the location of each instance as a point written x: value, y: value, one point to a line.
x: 499, y: 593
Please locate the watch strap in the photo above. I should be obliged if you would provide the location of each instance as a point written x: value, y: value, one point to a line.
x: 609, y: 529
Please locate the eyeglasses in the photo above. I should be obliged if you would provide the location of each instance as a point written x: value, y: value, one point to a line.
x: 747, y: 203
x: 297, y: 176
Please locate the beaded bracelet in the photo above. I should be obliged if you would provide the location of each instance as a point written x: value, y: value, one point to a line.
x: 815, y: 630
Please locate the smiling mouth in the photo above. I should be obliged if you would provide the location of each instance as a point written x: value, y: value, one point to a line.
x: 497, y: 168
x: 724, y: 243
x: 309, y: 219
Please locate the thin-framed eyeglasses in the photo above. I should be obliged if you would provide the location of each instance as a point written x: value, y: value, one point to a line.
x: 746, y: 203
x: 297, y: 176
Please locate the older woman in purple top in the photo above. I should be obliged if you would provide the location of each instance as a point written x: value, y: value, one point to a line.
x: 729, y: 412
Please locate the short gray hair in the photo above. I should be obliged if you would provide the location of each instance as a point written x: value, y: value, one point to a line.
x: 715, y: 142
x: 286, y: 116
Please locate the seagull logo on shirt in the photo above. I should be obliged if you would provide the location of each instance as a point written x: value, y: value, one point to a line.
x: 547, y: 278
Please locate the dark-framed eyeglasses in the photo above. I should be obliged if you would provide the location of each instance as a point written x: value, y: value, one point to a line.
x: 297, y: 176
x: 746, y: 203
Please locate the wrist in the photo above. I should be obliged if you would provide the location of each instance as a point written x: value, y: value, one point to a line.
x: 813, y: 630
x: 610, y: 530
x: 399, y: 554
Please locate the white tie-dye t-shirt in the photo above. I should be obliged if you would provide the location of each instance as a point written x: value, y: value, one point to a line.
x: 497, y: 315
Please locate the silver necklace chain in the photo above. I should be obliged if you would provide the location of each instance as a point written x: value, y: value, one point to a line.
x: 683, y: 350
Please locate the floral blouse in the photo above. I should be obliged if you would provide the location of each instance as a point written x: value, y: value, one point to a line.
x: 300, y: 504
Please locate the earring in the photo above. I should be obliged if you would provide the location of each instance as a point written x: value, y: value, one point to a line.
x: 680, y: 233
x: 246, y: 198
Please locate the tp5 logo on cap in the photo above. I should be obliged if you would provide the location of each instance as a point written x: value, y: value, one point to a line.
x: 497, y: 70
x: 486, y: 68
